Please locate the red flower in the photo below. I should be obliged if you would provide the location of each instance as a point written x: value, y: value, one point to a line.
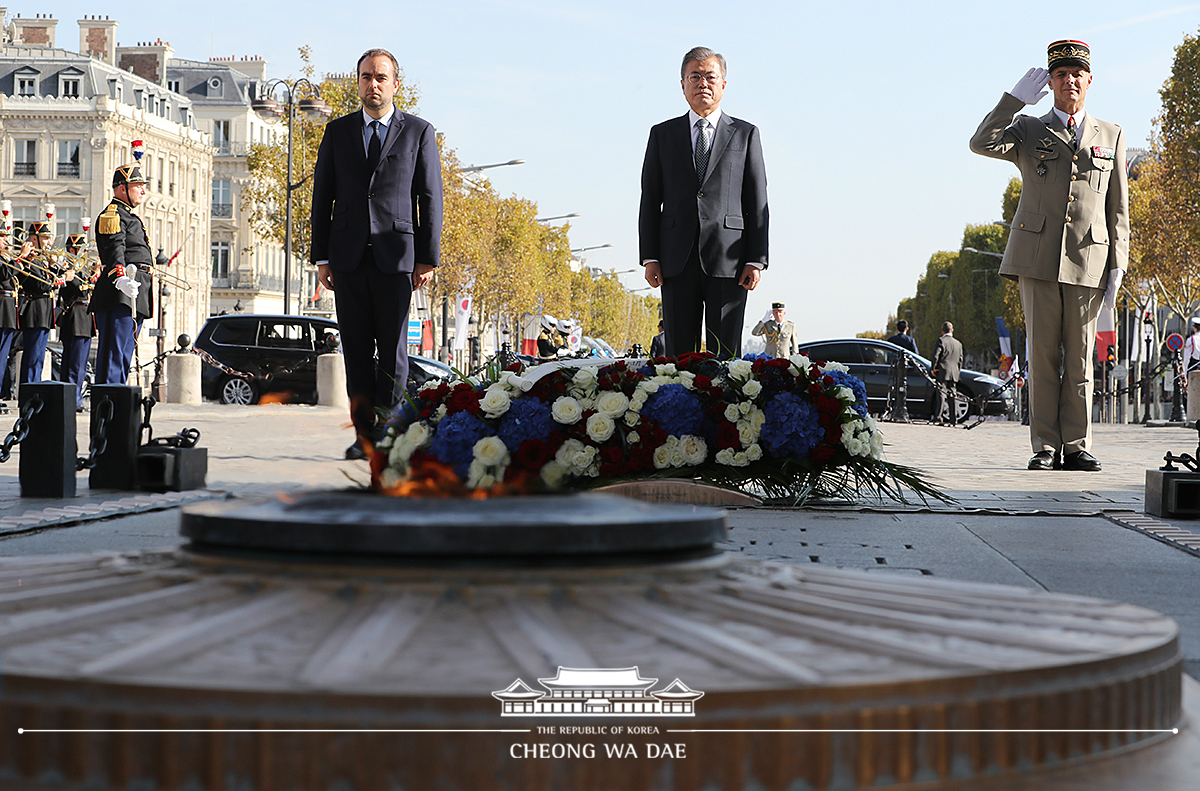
x: 728, y: 436
x: 822, y: 453
x: 532, y: 455
x: 464, y: 399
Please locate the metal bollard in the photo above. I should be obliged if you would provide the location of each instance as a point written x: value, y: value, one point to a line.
x: 47, y: 467
x: 116, y: 465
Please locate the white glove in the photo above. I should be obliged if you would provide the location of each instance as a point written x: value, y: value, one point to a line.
x: 1115, y: 276
x: 1028, y: 87
x: 128, y: 286
x: 770, y: 314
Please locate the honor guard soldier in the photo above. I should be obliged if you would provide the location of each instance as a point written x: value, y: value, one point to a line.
x: 1069, y: 243
x: 123, y: 248
x: 75, y: 324
x: 781, y: 334
x: 8, y: 297
x: 37, y: 312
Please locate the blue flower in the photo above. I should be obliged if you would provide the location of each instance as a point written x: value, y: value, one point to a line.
x: 843, y: 379
x: 753, y: 357
x: 527, y: 418
x: 677, y: 410
x: 791, y: 427
x: 454, y: 441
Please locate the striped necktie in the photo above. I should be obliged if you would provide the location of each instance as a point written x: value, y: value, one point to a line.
x: 702, y: 149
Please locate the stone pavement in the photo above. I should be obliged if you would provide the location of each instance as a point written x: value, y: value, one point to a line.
x: 1081, y: 533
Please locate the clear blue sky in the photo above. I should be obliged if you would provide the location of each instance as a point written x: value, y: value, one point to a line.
x: 865, y: 108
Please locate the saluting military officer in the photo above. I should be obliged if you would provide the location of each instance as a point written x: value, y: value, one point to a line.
x: 122, y: 245
x: 780, y: 333
x: 1069, y: 243
x: 75, y: 325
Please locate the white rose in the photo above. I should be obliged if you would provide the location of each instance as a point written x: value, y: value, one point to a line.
x: 600, y: 427
x: 585, y: 378
x: 441, y: 413
x: 695, y: 450
x: 834, y: 366
x: 495, y: 401
x: 845, y: 395
x: 746, y: 432
x: 637, y: 402
x: 662, y: 457
x: 758, y: 417
x: 678, y: 459
x: 752, y: 388
x: 741, y: 369
x: 740, y: 459
x: 645, y: 388
x: 687, y: 379
x: 754, y: 452
x: 612, y: 403
x: 429, y: 385
x: 633, y: 437
x: 744, y: 407
x: 567, y: 452
x: 725, y: 456
x: 666, y: 369
x: 553, y: 474
x: 632, y: 418
x: 566, y: 410
x: 491, y: 451
x: 800, y: 361
x: 732, y: 413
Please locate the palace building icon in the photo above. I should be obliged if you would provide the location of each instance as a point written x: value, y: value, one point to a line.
x: 598, y: 692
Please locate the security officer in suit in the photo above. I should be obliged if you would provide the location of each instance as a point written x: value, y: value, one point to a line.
x: 1069, y: 243
x: 947, y: 364
x: 780, y: 333
x: 123, y: 247
x: 75, y: 325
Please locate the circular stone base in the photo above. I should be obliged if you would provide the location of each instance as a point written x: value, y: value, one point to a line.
x: 564, y: 526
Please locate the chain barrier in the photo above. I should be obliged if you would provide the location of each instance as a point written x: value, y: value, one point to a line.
x: 186, y: 438
x: 20, y: 429
x: 223, y: 368
x: 99, y: 440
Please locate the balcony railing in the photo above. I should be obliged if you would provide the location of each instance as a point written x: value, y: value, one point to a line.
x: 68, y: 169
x: 222, y: 210
x: 231, y: 149
x: 24, y: 169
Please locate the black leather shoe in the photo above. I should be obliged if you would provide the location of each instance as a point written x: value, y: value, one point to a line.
x: 1081, y: 461
x: 356, y: 452
x: 1042, y: 460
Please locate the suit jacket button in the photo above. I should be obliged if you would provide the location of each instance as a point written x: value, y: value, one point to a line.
x: 1076, y: 157
x: 1073, y: 177
x: 699, y: 194
x: 370, y: 195
x: 1068, y: 219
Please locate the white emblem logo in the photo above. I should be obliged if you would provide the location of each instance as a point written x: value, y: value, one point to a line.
x: 604, y: 692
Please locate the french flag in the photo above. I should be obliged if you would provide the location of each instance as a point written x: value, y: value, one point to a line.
x: 1106, y: 333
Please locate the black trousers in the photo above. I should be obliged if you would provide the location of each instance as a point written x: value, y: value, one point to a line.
x: 692, y: 297
x: 372, y: 310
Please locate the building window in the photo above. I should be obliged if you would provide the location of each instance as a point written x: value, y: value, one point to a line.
x: 222, y: 198
x: 161, y: 170
x: 171, y: 184
x: 68, y: 159
x: 67, y: 220
x: 173, y: 86
x: 26, y: 158
x: 221, y: 139
x: 26, y: 86
x: 220, y: 262
x: 70, y: 87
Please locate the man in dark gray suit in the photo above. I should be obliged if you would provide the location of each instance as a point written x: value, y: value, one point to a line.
x: 947, y: 363
x: 702, y: 225
x: 376, y: 235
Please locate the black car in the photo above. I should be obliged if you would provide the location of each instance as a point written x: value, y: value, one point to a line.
x: 279, y: 354
x: 871, y: 361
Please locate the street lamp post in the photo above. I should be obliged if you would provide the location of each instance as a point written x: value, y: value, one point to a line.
x: 315, y: 109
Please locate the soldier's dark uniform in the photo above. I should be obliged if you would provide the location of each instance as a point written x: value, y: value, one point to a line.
x: 120, y: 240
x: 37, y: 314
x: 75, y: 324
x: 9, y: 322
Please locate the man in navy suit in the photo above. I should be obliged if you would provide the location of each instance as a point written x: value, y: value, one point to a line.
x: 376, y: 235
x: 702, y: 225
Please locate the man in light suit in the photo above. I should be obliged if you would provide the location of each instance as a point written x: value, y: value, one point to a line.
x: 702, y: 225
x: 376, y: 235
x: 1069, y: 243
x: 780, y: 333
x: 947, y: 363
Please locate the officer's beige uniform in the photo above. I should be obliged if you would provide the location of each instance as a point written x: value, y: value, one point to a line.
x: 1070, y: 230
x: 781, y: 340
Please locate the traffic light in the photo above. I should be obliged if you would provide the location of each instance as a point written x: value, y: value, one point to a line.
x: 1111, y: 360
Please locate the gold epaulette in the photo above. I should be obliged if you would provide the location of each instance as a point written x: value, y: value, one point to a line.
x: 109, y: 222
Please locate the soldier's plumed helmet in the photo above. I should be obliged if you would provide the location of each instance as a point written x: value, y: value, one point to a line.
x: 76, y: 241
x: 1068, y: 53
x: 127, y: 174
x: 39, y: 228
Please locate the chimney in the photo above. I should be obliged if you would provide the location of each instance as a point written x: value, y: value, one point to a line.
x: 98, y: 38
x: 253, y: 66
x: 147, y: 60
x: 36, y: 32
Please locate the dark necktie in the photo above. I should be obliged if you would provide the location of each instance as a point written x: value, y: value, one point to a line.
x: 374, y: 148
x: 701, y: 149
x: 1071, y: 131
